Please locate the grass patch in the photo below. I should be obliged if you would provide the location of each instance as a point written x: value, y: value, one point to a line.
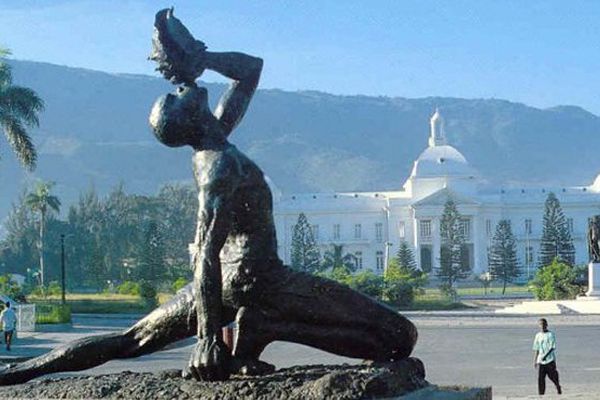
x: 85, y: 296
x: 424, y: 304
x: 495, y: 289
x: 100, y: 303
x: 52, y: 313
x: 433, y: 300
x: 130, y: 306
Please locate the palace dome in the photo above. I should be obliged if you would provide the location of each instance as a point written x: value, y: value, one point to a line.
x: 441, y: 161
x: 596, y: 185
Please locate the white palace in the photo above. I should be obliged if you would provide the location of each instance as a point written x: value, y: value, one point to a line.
x: 371, y: 225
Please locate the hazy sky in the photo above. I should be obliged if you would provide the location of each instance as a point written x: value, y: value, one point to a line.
x: 542, y: 53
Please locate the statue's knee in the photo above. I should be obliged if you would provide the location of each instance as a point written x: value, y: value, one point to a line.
x: 401, y: 338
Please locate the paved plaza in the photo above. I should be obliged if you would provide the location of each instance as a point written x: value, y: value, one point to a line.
x: 472, y: 348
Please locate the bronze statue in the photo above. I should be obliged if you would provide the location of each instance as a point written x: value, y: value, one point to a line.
x: 594, y: 239
x: 237, y: 273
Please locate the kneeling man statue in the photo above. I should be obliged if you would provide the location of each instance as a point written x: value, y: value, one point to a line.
x: 237, y: 273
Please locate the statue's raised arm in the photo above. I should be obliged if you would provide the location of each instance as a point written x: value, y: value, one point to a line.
x: 182, y: 59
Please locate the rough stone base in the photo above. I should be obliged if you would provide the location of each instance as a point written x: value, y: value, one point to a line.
x: 307, y: 382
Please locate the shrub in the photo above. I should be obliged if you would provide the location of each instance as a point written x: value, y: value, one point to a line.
x: 341, y: 275
x: 448, y: 291
x: 148, y: 294
x: 367, y: 283
x: 52, y: 313
x: 178, y: 284
x: 401, y: 284
x: 555, y: 282
x: 11, y: 288
x: 129, y: 287
x: 54, y: 289
x: 399, y: 294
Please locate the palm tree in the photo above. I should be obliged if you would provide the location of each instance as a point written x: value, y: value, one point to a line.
x: 335, y: 258
x: 41, y: 201
x: 19, y: 108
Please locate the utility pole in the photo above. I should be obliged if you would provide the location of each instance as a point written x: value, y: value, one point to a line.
x: 62, y: 266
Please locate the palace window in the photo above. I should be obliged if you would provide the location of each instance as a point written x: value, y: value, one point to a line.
x: 315, y: 231
x: 528, y: 255
x: 465, y: 228
x: 357, y: 231
x: 488, y: 227
x: 358, y: 260
x: 379, y: 260
x: 425, y: 228
x: 379, y: 232
x: 336, y: 231
x: 528, y: 225
x: 401, y: 230
x: 570, y: 225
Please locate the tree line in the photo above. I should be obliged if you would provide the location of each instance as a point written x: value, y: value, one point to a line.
x: 109, y: 239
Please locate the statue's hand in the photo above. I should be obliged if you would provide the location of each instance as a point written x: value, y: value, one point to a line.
x: 210, y: 360
x: 180, y: 57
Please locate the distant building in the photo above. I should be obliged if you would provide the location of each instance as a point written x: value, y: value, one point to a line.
x: 371, y: 225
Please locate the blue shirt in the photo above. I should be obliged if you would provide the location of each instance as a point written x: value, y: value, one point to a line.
x: 543, y: 343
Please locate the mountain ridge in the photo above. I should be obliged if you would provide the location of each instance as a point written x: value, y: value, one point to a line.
x: 94, y: 132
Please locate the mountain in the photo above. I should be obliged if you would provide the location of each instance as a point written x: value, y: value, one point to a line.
x: 94, y: 131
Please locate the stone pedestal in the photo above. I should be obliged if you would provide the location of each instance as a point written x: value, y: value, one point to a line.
x: 593, y: 282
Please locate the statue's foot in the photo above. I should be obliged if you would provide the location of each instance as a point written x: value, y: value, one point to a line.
x: 186, y: 373
x: 251, y: 367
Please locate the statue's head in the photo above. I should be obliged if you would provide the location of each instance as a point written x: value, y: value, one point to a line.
x: 178, y: 119
x: 175, y: 50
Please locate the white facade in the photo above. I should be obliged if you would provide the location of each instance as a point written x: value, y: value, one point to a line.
x: 372, y: 224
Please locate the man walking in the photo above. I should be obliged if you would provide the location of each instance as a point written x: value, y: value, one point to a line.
x: 9, y: 324
x: 544, y: 359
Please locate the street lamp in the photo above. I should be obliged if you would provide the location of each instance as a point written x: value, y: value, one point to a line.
x: 62, y: 267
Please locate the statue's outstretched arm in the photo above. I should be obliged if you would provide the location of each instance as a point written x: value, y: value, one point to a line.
x: 245, y: 71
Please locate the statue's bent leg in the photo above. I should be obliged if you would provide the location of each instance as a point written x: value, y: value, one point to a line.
x: 249, y: 342
x: 173, y: 321
x: 297, y: 307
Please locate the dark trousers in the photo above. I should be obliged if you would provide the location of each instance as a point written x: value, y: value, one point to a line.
x: 8, y: 335
x: 550, y: 370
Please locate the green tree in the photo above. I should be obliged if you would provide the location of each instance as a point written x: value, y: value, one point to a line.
x: 84, y: 247
x: 335, y: 259
x: 398, y: 286
x: 178, y: 206
x: 555, y: 281
x: 401, y: 282
x: 16, y: 252
x: 42, y: 202
x: 305, y: 253
x: 503, y: 263
x: 452, y: 261
x: 151, y: 259
x: 19, y: 109
x: 405, y: 257
x: 556, y: 239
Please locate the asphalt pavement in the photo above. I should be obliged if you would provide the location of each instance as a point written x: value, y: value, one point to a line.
x: 472, y: 349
